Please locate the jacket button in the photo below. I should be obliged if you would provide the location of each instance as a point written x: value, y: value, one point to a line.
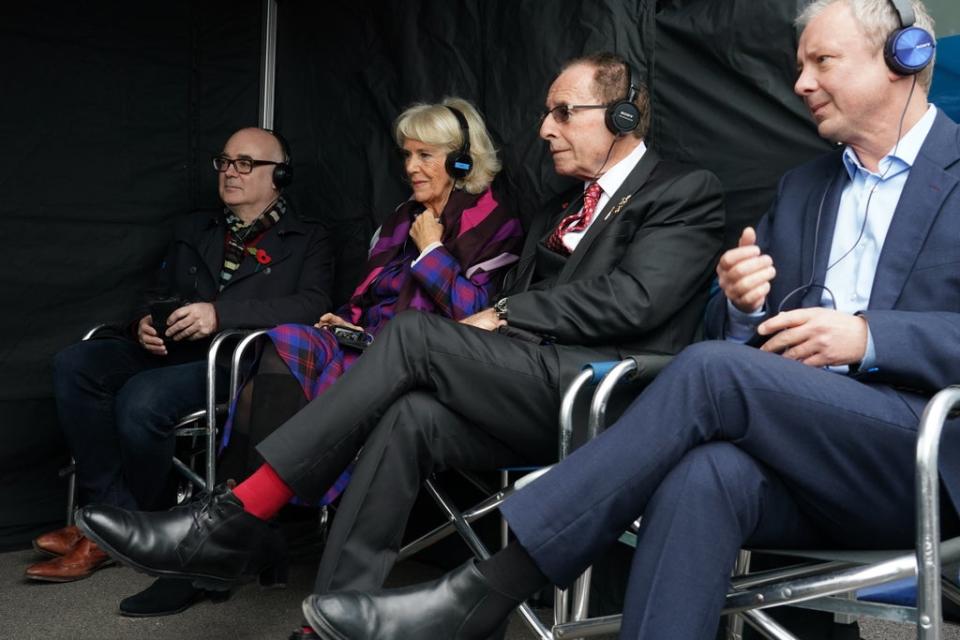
x: 192, y: 270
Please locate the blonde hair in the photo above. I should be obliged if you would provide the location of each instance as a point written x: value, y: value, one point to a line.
x: 877, y: 19
x: 436, y: 124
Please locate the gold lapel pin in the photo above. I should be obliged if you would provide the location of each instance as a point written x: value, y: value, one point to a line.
x: 623, y: 201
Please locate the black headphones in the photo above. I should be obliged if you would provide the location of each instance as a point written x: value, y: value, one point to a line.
x: 623, y: 116
x: 459, y: 163
x: 909, y: 49
x: 282, y: 172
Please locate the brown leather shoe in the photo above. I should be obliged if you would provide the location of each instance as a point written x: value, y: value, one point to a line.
x: 59, y: 542
x: 82, y: 561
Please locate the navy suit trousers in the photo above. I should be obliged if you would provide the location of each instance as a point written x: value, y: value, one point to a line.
x: 117, y: 406
x: 728, y: 447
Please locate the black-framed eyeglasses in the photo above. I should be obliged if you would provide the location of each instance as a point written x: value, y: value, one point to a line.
x: 562, y: 112
x: 242, y: 165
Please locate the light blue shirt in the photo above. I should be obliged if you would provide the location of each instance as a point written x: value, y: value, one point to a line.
x: 850, y: 277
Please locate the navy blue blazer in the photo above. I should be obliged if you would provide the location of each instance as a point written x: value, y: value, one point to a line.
x: 914, y: 312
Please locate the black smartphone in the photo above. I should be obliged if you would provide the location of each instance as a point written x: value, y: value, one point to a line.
x: 160, y: 310
x: 352, y: 338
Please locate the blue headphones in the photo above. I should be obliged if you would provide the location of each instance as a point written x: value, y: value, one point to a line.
x: 459, y: 162
x: 909, y: 49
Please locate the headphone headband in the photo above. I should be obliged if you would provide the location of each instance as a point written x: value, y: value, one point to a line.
x: 909, y: 49
x: 904, y: 9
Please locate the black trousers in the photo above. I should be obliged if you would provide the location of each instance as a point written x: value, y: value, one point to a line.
x: 430, y: 393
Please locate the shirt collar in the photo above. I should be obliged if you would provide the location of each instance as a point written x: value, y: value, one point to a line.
x: 614, y: 177
x: 906, y: 150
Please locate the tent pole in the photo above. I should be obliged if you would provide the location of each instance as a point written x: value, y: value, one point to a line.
x: 268, y: 63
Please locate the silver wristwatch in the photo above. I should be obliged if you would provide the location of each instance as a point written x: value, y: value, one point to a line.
x: 501, y: 309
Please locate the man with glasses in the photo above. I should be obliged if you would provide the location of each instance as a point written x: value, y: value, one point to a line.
x: 621, y: 264
x: 252, y: 264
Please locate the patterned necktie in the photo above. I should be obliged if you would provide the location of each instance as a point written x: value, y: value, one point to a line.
x: 575, y: 221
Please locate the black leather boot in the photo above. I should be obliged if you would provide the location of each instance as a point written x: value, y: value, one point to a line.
x: 167, y: 596
x: 459, y: 606
x: 212, y: 541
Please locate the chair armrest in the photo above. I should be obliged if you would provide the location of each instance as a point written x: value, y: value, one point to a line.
x: 93, y: 331
x: 929, y: 607
x: 649, y: 366
x: 640, y: 368
x: 238, y: 352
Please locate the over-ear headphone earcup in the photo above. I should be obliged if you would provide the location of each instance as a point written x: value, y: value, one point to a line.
x: 622, y: 117
x: 282, y: 175
x: 459, y: 164
x: 908, y: 51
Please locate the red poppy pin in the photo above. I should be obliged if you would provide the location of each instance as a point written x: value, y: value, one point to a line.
x: 260, y: 254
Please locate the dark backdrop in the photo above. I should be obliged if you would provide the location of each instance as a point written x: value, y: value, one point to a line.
x: 111, y: 110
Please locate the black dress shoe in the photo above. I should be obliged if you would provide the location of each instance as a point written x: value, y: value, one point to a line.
x: 212, y: 541
x: 167, y: 596
x: 459, y: 606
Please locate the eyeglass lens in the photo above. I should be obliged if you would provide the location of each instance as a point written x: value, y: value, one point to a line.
x: 242, y: 165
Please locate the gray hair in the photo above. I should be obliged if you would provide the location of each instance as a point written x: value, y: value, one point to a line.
x: 877, y: 19
x: 436, y: 124
x: 611, y: 84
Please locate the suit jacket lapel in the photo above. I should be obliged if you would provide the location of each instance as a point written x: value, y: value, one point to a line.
x: 571, y: 202
x: 211, y: 247
x: 821, y: 220
x: 541, y: 226
x: 920, y: 202
x: 634, y: 182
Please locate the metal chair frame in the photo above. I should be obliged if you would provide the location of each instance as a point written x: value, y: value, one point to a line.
x: 570, y: 607
x: 826, y: 581
x: 201, y: 423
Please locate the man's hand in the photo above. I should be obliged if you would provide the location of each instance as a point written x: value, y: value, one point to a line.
x: 816, y: 336
x: 486, y: 319
x: 147, y: 336
x: 426, y: 229
x: 745, y: 274
x: 192, y: 322
x: 333, y: 320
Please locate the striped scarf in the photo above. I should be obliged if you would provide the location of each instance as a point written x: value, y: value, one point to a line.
x: 240, y: 235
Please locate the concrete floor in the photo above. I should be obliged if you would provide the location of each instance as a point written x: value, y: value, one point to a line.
x: 87, y: 610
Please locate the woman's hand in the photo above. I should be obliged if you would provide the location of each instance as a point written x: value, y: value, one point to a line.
x: 426, y: 229
x: 333, y: 320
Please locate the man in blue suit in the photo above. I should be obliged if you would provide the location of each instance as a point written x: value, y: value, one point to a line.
x: 851, y: 288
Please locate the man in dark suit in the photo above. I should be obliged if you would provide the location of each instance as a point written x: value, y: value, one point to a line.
x: 851, y: 285
x: 620, y: 265
x: 253, y: 264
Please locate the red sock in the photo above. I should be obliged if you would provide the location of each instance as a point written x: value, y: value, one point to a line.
x: 264, y: 493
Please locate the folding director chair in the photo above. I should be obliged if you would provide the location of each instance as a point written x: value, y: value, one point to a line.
x: 200, y: 425
x: 569, y: 608
x: 822, y: 580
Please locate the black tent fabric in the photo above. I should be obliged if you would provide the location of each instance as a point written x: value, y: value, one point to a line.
x: 116, y: 107
x: 110, y: 114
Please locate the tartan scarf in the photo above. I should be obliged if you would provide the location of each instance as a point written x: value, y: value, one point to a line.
x: 239, y: 235
x: 479, y: 236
